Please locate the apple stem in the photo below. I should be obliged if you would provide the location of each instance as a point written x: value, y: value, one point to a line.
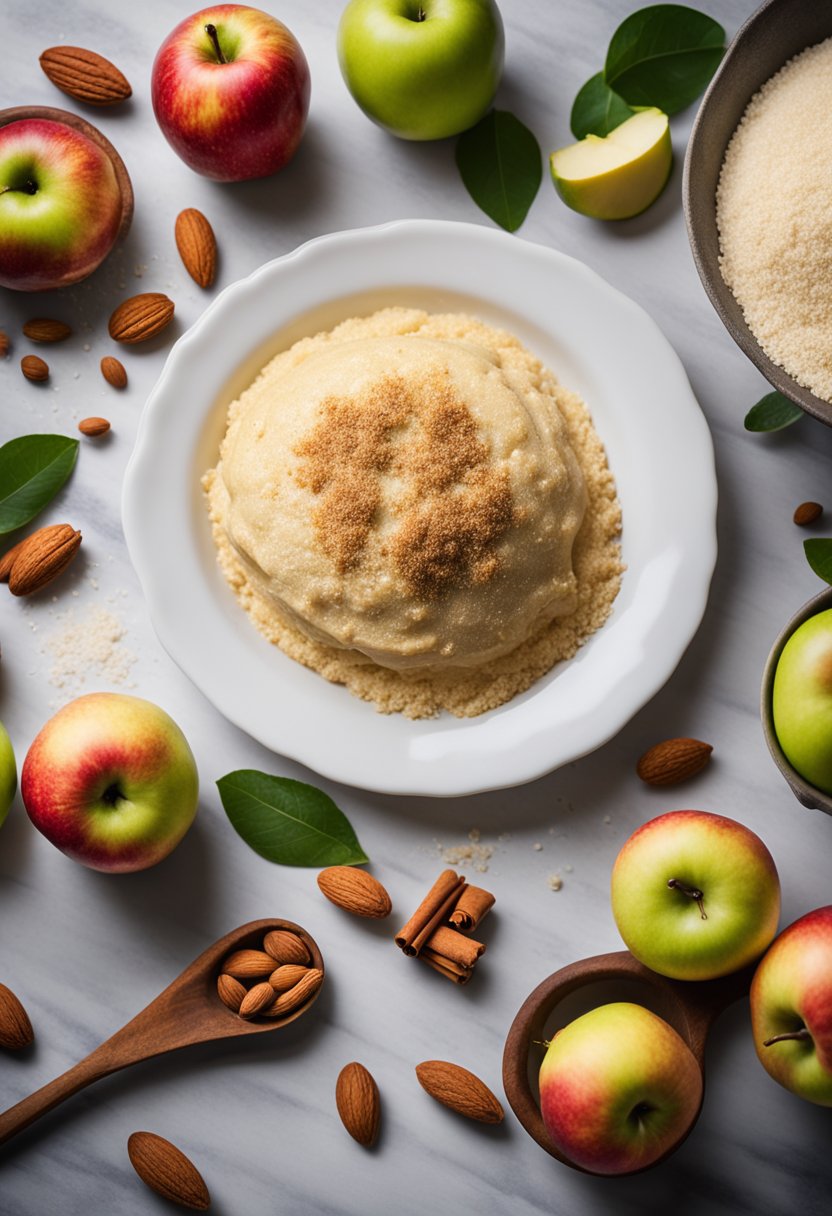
x: 211, y: 31
x: 801, y: 1034
x: 29, y: 188
x: 676, y: 884
x: 421, y: 15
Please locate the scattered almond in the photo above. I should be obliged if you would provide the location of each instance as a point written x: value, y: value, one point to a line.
x: 249, y: 965
x: 112, y: 370
x: 85, y: 75
x: 42, y: 329
x: 256, y: 999
x: 4, y: 344
x: 93, y: 426
x: 34, y: 368
x: 807, y: 513
x: 231, y: 992
x: 42, y: 557
x: 15, y: 1028
x: 355, y: 891
x: 167, y: 1171
x: 141, y: 317
x: 673, y: 760
x: 285, y: 947
x: 358, y: 1102
x: 286, y: 976
x: 459, y: 1090
x: 197, y: 246
x: 297, y: 996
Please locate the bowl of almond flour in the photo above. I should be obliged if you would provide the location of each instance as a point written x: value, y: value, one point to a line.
x: 758, y: 197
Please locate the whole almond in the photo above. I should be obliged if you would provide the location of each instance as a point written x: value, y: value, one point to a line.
x: 285, y: 977
x: 358, y: 1102
x: 249, y: 965
x: 303, y: 991
x: 93, y: 427
x: 141, y: 317
x: 8, y: 559
x: 285, y: 947
x: 673, y: 760
x: 43, y: 329
x: 15, y: 1028
x: 355, y: 891
x: 807, y: 513
x: 197, y: 246
x: 459, y: 1090
x: 256, y: 999
x: 167, y: 1171
x: 85, y: 75
x: 112, y: 370
x: 230, y: 991
x: 4, y: 344
x: 34, y: 368
x: 42, y: 557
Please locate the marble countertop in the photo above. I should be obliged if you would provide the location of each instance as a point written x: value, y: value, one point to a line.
x: 86, y: 950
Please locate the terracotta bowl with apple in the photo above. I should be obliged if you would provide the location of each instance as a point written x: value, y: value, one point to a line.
x: 65, y: 198
x: 796, y: 700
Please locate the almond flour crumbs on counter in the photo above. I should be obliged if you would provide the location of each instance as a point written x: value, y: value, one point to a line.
x: 774, y: 213
x: 474, y: 853
x: 87, y: 645
x: 537, y: 846
x: 555, y: 882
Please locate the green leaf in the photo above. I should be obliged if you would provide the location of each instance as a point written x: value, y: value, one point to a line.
x: 597, y: 109
x: 32, y: 470
x: 819, y: 556
x: 287, y: 821
x: 664, y: 56
x: 772, y: 413
x: 502, y: 167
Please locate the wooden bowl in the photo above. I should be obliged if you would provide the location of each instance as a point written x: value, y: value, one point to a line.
x: 778, y: 30
x: 809, y: 795
x: 51, y: 114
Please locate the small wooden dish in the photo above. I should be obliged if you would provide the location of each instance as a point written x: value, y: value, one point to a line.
x: 689, y: 1007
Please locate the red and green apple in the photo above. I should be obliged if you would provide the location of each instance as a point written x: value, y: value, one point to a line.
x: 111, y: 781
x: 8, y: 773
x: 61, y: 205
x: 695, y: 895
x: 422, y: 69
x: 230, y: 91
x: 791, y: 1008
x: 618, y: 1089
x: 802, y: 700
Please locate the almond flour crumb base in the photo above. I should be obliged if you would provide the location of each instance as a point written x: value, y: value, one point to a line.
x: 774, y: 214
x: 334, y: 452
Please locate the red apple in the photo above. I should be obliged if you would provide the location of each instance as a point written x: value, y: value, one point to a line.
x: 791, y: 1008
x: 111, y: 781
x: 62, y: 201
x: 230, y: 91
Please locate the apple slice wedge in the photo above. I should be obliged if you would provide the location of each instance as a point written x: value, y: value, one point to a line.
x: 620, y: 175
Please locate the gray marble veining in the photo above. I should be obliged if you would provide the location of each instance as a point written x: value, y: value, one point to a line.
x: 86, y: 950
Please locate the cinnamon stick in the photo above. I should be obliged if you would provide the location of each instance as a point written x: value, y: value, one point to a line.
x: 452, y: 947
x: 471, y: 908
x: 459, y: 976
x: 432, y: 912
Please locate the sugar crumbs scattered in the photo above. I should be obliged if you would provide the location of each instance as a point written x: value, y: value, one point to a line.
x: 89, y: 644
x: 555, y: 882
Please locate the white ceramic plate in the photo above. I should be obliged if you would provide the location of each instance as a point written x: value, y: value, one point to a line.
x: 596, y: 340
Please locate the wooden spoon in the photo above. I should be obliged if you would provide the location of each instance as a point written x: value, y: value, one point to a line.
x: 691, y: 1007
x: 188, y: 1011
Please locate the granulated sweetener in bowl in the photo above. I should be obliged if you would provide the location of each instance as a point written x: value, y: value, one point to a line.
x: 774, y: 214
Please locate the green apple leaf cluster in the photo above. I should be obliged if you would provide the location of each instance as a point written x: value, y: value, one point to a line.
x: 660, y: 56
x: 502, y: 166
x: 772, y: 413
x: 32, y: 470
x: 287, y: 821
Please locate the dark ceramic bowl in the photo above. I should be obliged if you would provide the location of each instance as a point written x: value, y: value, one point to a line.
x: 778, y: 30
x: 808, y: 794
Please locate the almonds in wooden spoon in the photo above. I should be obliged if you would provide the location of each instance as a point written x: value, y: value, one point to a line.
x: 85, y: 75
x: 673, y: 760
x: 197, y: 246
x: 459, y: 1090
x: 248, y: 964
x: 44, y: 329
x: 302, y: 992
x: 358, y: 1102
x: 141, y: 317
x: 167, y: 1171
x: 285, y: 947
x: 15, y: 1028
x: 355, y: 891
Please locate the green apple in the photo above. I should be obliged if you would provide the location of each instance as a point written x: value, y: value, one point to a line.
x: 791, y: 1008
x: 423, y: 69
x: 695, y: 895
x: 620, y: 175
x: 8, y: 773
x: 802, y: 700
x: 618, y: 1089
